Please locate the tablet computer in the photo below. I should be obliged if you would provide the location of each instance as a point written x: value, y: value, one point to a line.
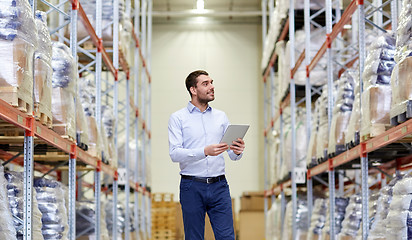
x: 233, y: 132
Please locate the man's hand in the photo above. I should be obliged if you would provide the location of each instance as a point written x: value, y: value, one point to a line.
x: 216, y: 149
x: 238, y: 146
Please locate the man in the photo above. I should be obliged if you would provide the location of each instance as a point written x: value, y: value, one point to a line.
x: 194, y: 135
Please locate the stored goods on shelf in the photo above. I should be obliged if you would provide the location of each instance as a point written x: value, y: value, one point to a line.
x: 274, y: 159
x: 95, y: 147
x: 7, y: 230
x: 43, y: 72
x: 15, y: 190
x: 82, y: 127
x: 301, y: 221
x: 87, y: 95
x: 120, y: 221
x: 274, y: 221
x: 64, y: 81
x: 85, y: 221
x: 340, y: 211
x: 352, y: 136
x: 398, y: 221
x: 341, y: 113
x: 401, y: 108
x: 18, y: 40
x: 323, y: 129
x: 108, y: 123
x: 376, y: 98
x: 318, y: 219
x: 311, y: 159
x: 104, y: 145
x: 52, y: 204
x: 404, y: 32
x: 283, y: 76
x: 353, y: 218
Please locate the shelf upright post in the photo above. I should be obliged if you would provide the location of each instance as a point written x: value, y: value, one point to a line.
x: 72, y: 159
x: 136, y: 123
x: 143, y: 108
x: 282, y: 200
x: 127, y: 161
x: 308, y: 101
x: 149, y: 110
x: 28, y: 179
x: 98, y: 77
x: 293, y: 113
x: 394, y: 15
x: 282, y: 211
x: 328, y: 13
x: 364, y: 155
x: 115, y: 107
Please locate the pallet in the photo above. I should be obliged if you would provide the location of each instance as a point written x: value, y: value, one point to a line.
x: 373, y: 131
x: 406, y: 113
x: 62, y: 130
x: 338, y: 150
x: 42, y: 115
x: 354, y: 142
x: 163, y: 234
x: 18, y: 98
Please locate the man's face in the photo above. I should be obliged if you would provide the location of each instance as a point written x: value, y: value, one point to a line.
x: 204, y: 90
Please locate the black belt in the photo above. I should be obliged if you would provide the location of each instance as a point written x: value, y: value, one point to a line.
x: 207, y: 180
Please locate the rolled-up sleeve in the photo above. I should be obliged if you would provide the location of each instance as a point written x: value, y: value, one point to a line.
x: 177, y: 151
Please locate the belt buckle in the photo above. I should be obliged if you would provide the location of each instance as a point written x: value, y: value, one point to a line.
x: 209, y: 180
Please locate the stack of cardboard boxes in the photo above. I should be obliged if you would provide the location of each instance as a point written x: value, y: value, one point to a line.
x: 251, y: 216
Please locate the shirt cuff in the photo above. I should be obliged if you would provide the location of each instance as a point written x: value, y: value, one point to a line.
x: 199, y: 153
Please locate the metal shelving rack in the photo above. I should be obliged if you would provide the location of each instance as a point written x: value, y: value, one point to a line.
x: 34, y: 131
x: 360, y: 12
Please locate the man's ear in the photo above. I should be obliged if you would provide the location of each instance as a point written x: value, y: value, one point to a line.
x: 193, y: 90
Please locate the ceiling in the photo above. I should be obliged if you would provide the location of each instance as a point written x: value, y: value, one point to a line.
x: 216, y: 5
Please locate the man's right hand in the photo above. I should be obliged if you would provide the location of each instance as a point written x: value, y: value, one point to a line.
x: 216, y: 149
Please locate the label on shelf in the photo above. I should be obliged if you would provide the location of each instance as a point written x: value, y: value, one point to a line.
x: 122, y: 176
x: 300, y: 175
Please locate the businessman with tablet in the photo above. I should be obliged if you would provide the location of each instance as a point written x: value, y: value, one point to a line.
x: 198, y: 136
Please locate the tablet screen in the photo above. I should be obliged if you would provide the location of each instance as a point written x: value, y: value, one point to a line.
x: 233, y: 132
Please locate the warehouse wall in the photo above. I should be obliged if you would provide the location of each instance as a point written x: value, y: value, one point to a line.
x: 231, y: 54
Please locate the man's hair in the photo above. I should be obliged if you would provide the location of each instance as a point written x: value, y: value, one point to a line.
x: 191, y: 80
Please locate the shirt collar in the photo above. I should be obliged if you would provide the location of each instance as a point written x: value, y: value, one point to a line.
x: 192, y: 107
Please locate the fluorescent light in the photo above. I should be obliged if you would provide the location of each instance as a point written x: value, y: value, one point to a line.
x: 200, y: 5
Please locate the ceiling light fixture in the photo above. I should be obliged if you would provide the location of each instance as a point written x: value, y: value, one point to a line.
x: 200, y: 5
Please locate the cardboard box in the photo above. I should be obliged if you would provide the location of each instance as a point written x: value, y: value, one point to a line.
x: 251, y: 225
x: 253, y: 201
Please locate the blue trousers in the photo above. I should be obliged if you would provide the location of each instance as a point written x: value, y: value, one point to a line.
x: 197, y: 199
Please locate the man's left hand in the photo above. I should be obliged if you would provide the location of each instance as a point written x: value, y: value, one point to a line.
x: 238, y: 146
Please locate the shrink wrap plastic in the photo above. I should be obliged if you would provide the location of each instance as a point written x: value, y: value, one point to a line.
x: 104, y: 145
x: 317, y: 222
x: 322, y: 141
x: 63, y: 83
x: 132, y: 153
x: 404, y: 32
x: 108, y: 121
x: 52, y: 204
x: 379, y: 224
x: 273, y: 221
x: 301, y: 144
x: 376, y: 98
x: 274, y: 156
x: 85, y: 220
x: 311, y: 159
x: 352, y: 134
x: 81, y: 124
x: 42, y: 66
x: 87, y: 96
x: 401, y: 86
x: 353, y: 218
x: 399, y: 218
x: 120, y: 223
x: 18, y: 40
x: 341, y: 113
x: 7, y: 230
x: 283, y: 78
x: 340, y: 211
x: 95, y: 147
x: 89, y: 7
x: 301, y: 221
x: 15, y: 190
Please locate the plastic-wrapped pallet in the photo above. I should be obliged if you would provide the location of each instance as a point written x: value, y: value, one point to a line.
x: 341, y: 113
x: 399, y: 219
x: 64, y: 80
x: 311, y: 159
x: 352, y: 136
x: 108, y: 121
x: 104, y: 145
x: 82, y: 128
x: 89, y: 7
x: 50, y: 197
x: 7, y: 230
x: 95, y: 143
x: 353, y: 218
x: 317, y: 222
x: 274, y: 156
x: 376, y: 98
x: 273, y: 221
x: 85, y: 220
x: 87, y: 96
x: 283, y: 78
x: 301, y: 221
x: 322, y: 141
x: 18, y: 40
x: 404, y: 32
x: 126, y: 39
x: 15, y: 189
x: 120, y: 223
x: 43, y: 71
x: 132, y: 154
x: 379, y: 224
x: 340, y: 211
